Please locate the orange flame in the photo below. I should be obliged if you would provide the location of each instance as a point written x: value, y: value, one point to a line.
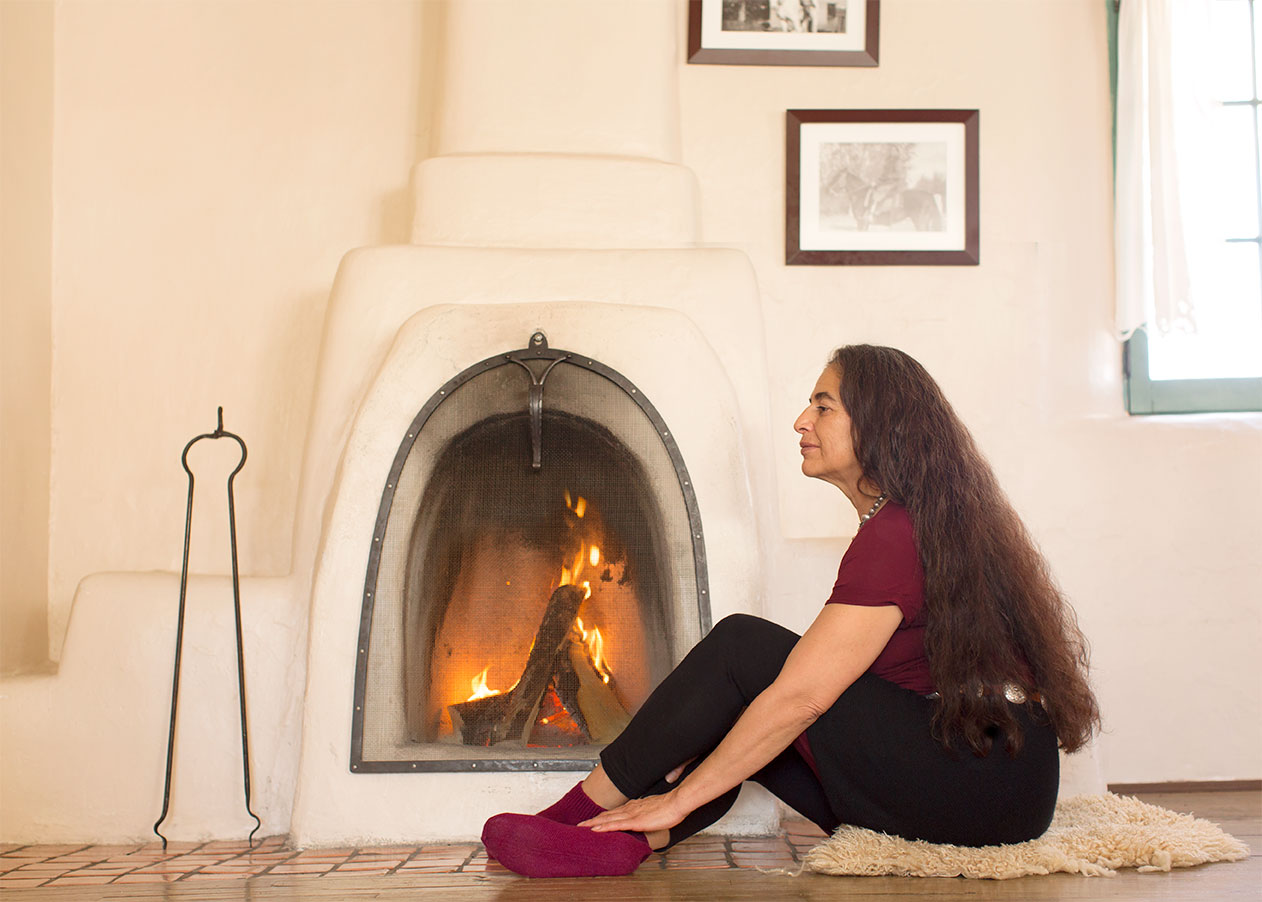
x: 595, y: 643
x: 570, y: 575
x: 479, y: 687
x: 578, y: 506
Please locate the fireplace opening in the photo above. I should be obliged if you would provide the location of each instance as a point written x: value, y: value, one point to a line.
x: 536, y: 568
x: 495, y: 651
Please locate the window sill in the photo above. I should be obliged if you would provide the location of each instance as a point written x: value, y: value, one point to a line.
x: 1147, y: 397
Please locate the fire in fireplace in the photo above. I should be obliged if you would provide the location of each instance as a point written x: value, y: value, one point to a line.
x: 510, y: 566
x: 537, y: 567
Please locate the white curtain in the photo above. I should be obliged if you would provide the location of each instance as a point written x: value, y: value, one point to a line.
x: 1163, y: 192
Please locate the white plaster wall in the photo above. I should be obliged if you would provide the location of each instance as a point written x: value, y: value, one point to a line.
x: 212, y: 161
x: 559, y: 76
x: 1153, y: 526
x: 84, y: 753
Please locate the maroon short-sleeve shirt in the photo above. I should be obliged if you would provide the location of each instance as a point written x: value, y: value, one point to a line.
x: 882, y: 566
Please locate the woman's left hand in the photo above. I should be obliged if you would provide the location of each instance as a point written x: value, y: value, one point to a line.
x: 645, y: 815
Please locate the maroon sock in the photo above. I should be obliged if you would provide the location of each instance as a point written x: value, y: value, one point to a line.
x: 573, y: 808
x: 535, y: 846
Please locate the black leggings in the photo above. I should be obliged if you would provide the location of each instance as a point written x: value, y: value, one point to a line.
x: 879, y: 765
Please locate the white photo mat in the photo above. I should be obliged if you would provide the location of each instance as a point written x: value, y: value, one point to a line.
x: 941, y: 149
x: 714, y: 37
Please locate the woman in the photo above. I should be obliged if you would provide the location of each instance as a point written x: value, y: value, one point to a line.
x: 926, y: 700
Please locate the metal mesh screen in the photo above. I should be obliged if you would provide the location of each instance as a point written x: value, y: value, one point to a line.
x: 473, y: 540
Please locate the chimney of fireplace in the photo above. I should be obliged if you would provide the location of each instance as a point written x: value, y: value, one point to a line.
x: 557, y: 144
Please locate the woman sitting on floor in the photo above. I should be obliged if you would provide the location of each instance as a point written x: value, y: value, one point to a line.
x: 927, y: 699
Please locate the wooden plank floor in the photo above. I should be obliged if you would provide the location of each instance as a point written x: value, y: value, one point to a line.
x: 705, y: 875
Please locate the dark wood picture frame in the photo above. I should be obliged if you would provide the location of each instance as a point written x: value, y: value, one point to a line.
x: 761, y: 49
x: 932, y: 221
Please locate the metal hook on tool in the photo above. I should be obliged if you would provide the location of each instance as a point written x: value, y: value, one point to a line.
x: 534, y: 402
x: 219, y: 432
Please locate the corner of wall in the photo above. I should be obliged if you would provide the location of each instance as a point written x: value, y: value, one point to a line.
x: 26, y: 111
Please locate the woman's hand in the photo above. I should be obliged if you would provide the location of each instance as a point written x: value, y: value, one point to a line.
x: 645, y: 815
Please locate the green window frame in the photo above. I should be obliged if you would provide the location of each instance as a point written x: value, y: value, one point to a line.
x: 1152, y: 396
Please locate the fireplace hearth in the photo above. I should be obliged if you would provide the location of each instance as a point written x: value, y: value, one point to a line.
x: 537, y: 567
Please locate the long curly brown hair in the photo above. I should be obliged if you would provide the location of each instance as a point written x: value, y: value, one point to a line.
x: 994, y: 613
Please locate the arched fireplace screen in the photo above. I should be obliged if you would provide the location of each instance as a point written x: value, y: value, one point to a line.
x: 537, y: 567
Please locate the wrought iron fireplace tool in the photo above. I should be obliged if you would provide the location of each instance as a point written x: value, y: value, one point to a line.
x: 219, y: 433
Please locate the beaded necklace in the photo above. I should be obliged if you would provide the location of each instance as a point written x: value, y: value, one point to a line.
x: 875, y: 507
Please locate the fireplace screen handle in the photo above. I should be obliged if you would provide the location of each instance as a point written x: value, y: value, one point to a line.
x: 534, y: 402
x: 536, y: 425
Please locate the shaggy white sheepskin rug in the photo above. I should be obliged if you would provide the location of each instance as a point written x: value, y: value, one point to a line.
x: 1092, y: 835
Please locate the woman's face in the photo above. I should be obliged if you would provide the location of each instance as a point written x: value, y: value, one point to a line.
x: 826, y: 443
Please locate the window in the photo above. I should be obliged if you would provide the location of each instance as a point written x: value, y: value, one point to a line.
x: 1212, y: 360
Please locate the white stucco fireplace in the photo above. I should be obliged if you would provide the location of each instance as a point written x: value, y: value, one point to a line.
x: 583, y: 230
x: 686, y: 380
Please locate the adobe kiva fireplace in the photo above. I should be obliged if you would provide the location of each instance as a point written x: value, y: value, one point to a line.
x: 537, y: 566
x: 640, y: 427
x: 456, y: 665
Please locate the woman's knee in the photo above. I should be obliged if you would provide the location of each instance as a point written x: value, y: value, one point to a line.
x: 744, y: 629
x: 743, y: 641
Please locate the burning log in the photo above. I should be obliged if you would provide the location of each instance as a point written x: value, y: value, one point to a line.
x: 564, y: 696
x: 477, y: 718
x: 603, y: 715
x: 565, y: 683
x: 550, y: 639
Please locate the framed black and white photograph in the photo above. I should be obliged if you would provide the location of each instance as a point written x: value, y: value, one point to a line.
x: 783, y: 32
x: 882, y: 187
